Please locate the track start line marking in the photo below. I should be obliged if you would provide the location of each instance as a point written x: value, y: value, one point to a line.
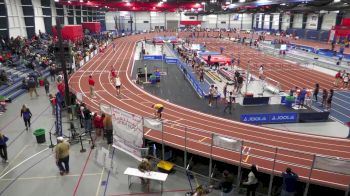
x: 246, y: 151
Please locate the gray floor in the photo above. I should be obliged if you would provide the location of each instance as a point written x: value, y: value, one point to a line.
x: 32, y: 171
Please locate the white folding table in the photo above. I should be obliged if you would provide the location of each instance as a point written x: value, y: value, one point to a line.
x: 158, y: 176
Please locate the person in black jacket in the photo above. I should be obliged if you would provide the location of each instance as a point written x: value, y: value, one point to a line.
x: 226, y: 183
x: 87, y: 119
x: 3, y: 147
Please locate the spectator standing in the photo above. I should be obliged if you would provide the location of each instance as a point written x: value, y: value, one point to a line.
x: 32, y: 87
x: 62, y: 155
x: 3, y: 147
x: 98, y: 124
x: 225, y: 184
x: 252, y: 182
x: 53, y: 103
x: 87, y: 119
x: 316, y: 90
x: 324, y: 97
x: 53, y: 72
x: 27, y: 115
x: 211, y: 94
x: 289, y: 182
x: 209, y: 59
x: 47, y: 86
x: 201, y: 75
x: 225, y: 90
x: 329, y: 99
x: 92, y: 86
x: 337, y: 79
x: 230, y: 100
x: 301, y: 97
x: 108, y: 127
x: 239, y: 83
x: 216, y: 95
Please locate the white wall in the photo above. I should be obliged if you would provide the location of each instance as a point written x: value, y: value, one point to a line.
x: 247, y: 21
x: 328, y: 21
x: 275, y: 21
x: 285, y: 21
x: 38, y: 16
x: 15, y: 18
x: 53, y: 12
x: 298, y: 21
x: 312, y: 21
x: 266, y: 21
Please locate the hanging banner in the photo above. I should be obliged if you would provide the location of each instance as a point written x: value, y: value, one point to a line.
x: 127, y: 132
x: 58, y: 123
x: 227, y: 143
x: 332, y: 164
x: 79, y: 97
x: 105, y: 109
x: 153, y: 124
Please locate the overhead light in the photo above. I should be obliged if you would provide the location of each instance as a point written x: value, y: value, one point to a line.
x: 197, y: 4
x: 283, y: 4
x: 228, y: 3
x: 337, y: 1
x: 57, y: 0
x: 69, y: 2
x: 81, y: 1
x: 127, y: 4
x: 203, y: 3
x: 160, y: 3
x: 164, y: 0
x: 241, y: 1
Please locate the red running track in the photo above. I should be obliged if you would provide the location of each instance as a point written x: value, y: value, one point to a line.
x: 294, y: 148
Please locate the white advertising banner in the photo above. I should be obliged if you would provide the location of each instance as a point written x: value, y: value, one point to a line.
x: 105, y: 109
x: 79, y: 97
x: 227, y: 143
x: 153, y: 124
x: 127, y: 132
x: 333, y: 165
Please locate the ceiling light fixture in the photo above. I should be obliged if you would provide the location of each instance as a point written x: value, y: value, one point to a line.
x: 203, y: 3
x: 81, y: 1
x: 57, y: 0
x: 69, y: 2
x: 337, y: 1
x: 127, y: 4
x: 197, y: 4
x: 164, y: 0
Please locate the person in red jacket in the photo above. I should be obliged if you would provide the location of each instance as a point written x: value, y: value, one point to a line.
x: 92, y: 86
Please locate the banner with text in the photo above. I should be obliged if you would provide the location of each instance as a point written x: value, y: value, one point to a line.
x: 290, y: 117
x: 332, y: 164
x: 127, y: 132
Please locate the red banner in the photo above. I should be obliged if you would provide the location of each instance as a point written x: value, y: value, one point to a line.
x: 190, y: 22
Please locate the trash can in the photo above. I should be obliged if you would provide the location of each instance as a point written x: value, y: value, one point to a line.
x: 289, y: 101
x: 40, y: 135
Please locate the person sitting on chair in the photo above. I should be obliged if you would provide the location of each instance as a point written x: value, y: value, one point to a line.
x: 145, y: 166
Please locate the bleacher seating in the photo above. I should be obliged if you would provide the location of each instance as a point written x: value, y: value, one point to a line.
x: 16, y: 75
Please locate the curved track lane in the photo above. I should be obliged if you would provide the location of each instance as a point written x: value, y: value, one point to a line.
x: 294, y: 149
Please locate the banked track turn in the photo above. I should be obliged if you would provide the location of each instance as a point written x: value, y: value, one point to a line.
x: 294, y: 148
